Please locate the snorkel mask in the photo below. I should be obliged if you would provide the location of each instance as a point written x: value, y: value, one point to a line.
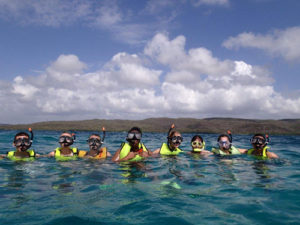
x: 198, y: 146
x: 258, y: 141
x: 93, y: 142
x: 175, y: 139
x: 133, y: 136
x: 225, y: 144
x: 67, y: 140
x: 25, y: 142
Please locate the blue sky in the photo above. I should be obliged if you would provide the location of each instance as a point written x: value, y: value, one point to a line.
x: 134, y: 59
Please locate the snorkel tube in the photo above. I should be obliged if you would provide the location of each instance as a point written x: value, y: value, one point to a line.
x: 169, y: 132
x: 267, y: 139
x: 229, y: 137
x: 101, y: 139
x: 103, y: 135
x: 31, y: 136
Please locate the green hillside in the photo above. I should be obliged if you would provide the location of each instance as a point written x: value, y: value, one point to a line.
x: 210, y: 125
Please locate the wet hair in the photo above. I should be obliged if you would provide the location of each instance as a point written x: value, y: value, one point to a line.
x: 21, y: 134
x: 197, y: 137
x: 224, y: 135
x: 259, y: 135
x: 172, y: 133
x: 136, y: 129
x: 66, y: 132
x: 95, y: 135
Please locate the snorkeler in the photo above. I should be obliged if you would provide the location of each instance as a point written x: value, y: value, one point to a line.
x: 66, y: 139
x: 226, y: 147
x: 198, y: 146
x: 172, y: 146
x: 134, y: 150
x: 95, y: 143
x: 22, y: 142
x: 260, y: 148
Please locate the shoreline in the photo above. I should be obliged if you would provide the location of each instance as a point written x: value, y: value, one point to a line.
x: 186, y: 125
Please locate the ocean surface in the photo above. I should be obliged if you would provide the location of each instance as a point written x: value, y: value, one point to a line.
x: 168, y: 190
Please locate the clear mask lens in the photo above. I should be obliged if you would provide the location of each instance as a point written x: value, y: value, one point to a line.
x: 177, y: 139
x: 134, y: 136
x: 65, y: 139
x: 22, y: 142
x: 94, y: 141
x: 257, y: 140
x: 197, y: 144
x: 224, y: 144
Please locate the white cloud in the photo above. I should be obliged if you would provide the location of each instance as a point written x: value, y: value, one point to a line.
x: 210, y: 2
x: 284, y: 43
x: 189, y: 83
x: 21, y: 87
x: 172, y: 53
x: 49, y: 12
x: 130, y: 24
x: 108, y: 14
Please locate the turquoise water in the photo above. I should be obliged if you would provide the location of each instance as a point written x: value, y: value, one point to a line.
x: 177, y: 190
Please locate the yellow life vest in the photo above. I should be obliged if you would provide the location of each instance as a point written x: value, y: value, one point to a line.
x: 233, y: 151
x: 101, y: 155
x: 60, y: 157
x: 264, y: 153
x: 125, y: 149
x: 165, y: 150
x: 11, y: 155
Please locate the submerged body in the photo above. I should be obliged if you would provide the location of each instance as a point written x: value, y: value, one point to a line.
x: 259, y: 147
x: 134, y: 150
x: 65, y: 151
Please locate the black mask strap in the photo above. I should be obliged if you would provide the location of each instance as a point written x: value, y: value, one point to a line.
x: 170, y: 130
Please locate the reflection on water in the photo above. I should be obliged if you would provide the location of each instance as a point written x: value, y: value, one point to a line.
x: 184, y: 189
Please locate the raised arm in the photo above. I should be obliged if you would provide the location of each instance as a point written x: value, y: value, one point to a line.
x: 116, y: 156
x: 155, y: 152
x: 272, y: 155
x: 243, y: 151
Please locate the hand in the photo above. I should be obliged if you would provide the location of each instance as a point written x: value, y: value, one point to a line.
x: 143, y: 154
x: 131, y: 155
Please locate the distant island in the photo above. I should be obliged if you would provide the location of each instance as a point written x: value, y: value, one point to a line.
x: 190, y: 125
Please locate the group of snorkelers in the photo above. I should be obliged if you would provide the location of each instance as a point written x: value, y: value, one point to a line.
x: 134, y: 149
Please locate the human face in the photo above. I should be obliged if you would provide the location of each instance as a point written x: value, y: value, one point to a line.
x: 175, y: 140
x: 134, y: 138
x: 224, y: 143
x: 258, y: 142
x: 94, y: 142
x: 66, y: 139
x: 22, y: 142
x: 197, y: 144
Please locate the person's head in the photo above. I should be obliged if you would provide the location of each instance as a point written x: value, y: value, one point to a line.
x: 134, y: 136
x: 22, y: 141
x: 94, y: 142
x: 197, y: 143
x: 174, y: 139
x: 224, y: 142
x: 258, y: 141
x: 66, y: 139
